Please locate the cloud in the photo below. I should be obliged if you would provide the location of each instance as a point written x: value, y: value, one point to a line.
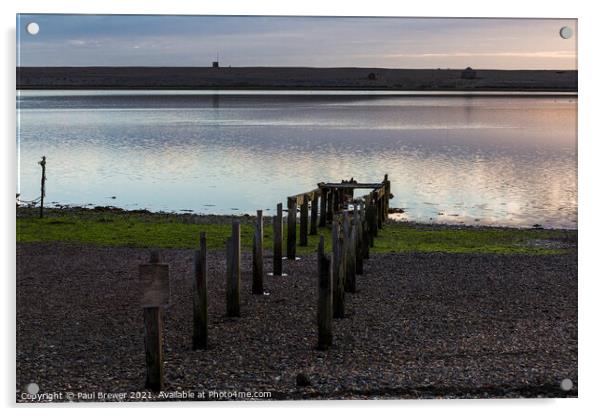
x: 296, y: 41
x: 532, y: 54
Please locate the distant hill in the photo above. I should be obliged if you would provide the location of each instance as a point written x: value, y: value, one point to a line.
x: 294, y: 78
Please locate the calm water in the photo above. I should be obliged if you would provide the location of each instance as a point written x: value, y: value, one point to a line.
x: 474, y: 160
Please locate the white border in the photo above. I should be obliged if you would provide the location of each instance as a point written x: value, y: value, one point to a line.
x: 589, y: 188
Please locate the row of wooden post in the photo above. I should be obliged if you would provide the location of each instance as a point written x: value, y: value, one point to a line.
x: 352, y: 236
x: 154, y: 314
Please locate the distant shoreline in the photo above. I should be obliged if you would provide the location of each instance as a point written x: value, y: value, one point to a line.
x: 292, y: 78
x: 324, y: 92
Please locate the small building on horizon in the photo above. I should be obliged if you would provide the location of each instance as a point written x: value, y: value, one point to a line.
x: 215, y: 64
x: 469, y: 73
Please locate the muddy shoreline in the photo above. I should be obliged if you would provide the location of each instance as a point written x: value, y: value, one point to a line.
x: 202, y: 218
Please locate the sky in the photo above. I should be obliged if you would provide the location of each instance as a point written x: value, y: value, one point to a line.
x: 128, y: 40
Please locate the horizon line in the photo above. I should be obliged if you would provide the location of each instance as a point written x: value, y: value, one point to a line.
x: 294, y: 66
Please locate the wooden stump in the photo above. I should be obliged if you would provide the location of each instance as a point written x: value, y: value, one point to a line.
x: 371, y: 215
x: 323, y: 206
x: 291, y: 237
x: 330, y: 206
x: 313, y: 220
x: 324, y: 299
x: 153, y: 345
x: 336, y: 200
x: 199, y: 297
x: 233, y: 272
x: 379, y: 213
x: 42, y: 185
x: 278, y: 242
x: 338, y: 271
x: 349, y: 245
x: 154, y: 278
x: 359, y: 235
x: 303, y: 220
x: 387, y: 195
x: 258, y: 255
x: 367, y: 241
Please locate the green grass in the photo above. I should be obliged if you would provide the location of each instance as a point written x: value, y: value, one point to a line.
x: 173, y: 231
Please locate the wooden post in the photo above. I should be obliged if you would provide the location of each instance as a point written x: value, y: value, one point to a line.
x: 336, y: 201
x: 324, y: 298
x: 359, y: 235
x: 330, y: 205
x: 153, y: 345
x: 383, y: 210
x: 313, y: 223
x: 365, y: 232
x: 233, y: 272
x: 303, y: 222
x: 349, y: 245
x: 291, y: 237
x: 387, y: 195
x: 372, y: 222
x: 366, y: 239
x: 278, y: 242
x: 323, y: 206
x: 155, y: 281
x: 379, y: 212
x: 43, y: 186
x: 199, y: 297
x: 258, y: 255
x: 338, y: 271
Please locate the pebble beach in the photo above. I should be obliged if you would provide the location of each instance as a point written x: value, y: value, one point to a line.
x: 420, y: 325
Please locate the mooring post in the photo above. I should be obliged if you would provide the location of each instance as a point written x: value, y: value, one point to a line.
x: 365, y: 232
x: 359, y: 255
x: 303, y: 220
x: 233, y: 272
x: 258, y: 255
x: 330, y: 205
x: 387, y: 195
x: 372, y: 221
x: 43, y: 185
x: 278, y: 241
x: 153, y: 343
x: 349, y: 244
x: 336, y: 200
x: 291, y: 237
x: 313, y: 223
x: 338, y: 271
x: 323, y: 205
x: 377, y: 212
x: 384, y: 210
x: 379, y: 219
x: 364, y: 229
x: 199, y: 296
x: 154, y: 278
x: 324, y: 298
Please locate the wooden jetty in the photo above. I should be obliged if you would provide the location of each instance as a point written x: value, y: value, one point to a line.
x: 353, y: 233
x: 329, y: 200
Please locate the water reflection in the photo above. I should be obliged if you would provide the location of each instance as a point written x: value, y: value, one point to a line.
x: 504, y: 161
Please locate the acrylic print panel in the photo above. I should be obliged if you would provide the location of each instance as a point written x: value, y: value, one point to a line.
x: 347, y: 207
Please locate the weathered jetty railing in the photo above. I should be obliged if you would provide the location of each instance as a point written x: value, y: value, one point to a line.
x: 329, y: 200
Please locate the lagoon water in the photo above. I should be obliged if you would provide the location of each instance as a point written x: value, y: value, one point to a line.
x: 493, y: 160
